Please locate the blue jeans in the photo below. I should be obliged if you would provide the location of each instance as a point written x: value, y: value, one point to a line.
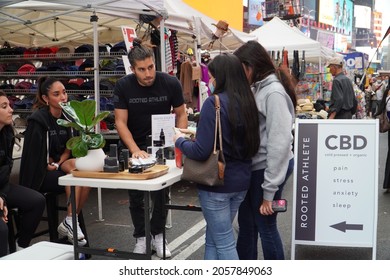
x: 251, y: 222
x: 219, y: 210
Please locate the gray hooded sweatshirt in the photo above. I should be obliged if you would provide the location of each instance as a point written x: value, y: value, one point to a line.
x: 276, y: 114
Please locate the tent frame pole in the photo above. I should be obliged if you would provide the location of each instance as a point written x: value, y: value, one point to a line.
x: 94, y: 20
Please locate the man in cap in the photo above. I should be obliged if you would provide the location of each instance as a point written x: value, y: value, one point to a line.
x: 342, y: 99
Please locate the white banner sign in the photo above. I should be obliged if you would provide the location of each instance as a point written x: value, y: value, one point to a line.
x: 336, y: 183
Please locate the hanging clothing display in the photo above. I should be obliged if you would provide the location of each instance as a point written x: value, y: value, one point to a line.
x: 295, y: 68
x: 303, y: 67
x: 168, y: 52
x: 174, y: 44
x: 285, y: 58
x: 186, y: 80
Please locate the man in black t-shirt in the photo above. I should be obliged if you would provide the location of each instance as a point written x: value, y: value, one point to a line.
x: 137, y: 97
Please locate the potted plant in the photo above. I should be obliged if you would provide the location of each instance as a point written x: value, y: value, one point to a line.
x: 82, y: 118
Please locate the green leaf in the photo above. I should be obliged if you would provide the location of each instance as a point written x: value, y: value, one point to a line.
x: 85, y: 111
x: 79, y: 148
x: 101, y: 116
x: 83, y: 114
x: 72, y: 142
x: 69, y: 111
x: 69, y: 124
x: 97, y: 141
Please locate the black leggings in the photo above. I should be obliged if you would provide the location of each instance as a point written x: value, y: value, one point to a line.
x: 50, y: 183
x: 31, y: 205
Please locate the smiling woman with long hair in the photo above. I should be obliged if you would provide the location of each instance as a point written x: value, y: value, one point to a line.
x: 45, y: 156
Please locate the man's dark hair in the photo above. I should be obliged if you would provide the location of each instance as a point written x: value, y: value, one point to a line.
x: 139, y: 52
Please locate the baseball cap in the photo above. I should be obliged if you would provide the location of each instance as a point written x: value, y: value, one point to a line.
x: 26, y: 69
x: 65, y: 50
x: 335, y: 60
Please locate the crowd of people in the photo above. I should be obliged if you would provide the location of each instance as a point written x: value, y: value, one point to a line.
x: 257, y: 165
x: 258, y: 104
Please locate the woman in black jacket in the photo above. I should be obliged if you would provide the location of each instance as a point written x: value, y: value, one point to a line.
x: 30, y: 203
x: 45, y: 157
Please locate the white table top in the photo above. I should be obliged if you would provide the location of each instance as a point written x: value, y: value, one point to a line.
x: 154, y: 184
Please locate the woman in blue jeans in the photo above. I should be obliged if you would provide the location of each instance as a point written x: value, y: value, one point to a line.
x: 240, y: 136
x: 251, y: 223
x: 273, y: 163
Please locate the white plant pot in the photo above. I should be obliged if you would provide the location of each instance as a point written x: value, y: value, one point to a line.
x: 93, y: 161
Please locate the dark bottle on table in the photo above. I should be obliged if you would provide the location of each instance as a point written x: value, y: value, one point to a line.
x: 162, y: 137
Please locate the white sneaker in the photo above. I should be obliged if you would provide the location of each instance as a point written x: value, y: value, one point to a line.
x: 66, y: 229
x: 140, y: 245
x: 157, y: 244
x: 80, y: 242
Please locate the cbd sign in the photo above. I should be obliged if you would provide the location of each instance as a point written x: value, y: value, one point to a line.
x: 345, y: 142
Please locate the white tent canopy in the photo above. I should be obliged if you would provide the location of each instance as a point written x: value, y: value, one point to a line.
x: 326, y: 52
x: 193, y: 24
x: 183, y: 17
x: 276, y: 35
x: 43, y: 23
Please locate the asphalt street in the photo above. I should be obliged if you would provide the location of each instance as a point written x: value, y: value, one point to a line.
x: 112, y: 228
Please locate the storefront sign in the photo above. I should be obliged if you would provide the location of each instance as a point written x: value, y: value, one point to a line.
x: 356, y: 60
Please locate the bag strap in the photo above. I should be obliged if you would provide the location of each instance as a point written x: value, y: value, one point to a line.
x: 218, y: 127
